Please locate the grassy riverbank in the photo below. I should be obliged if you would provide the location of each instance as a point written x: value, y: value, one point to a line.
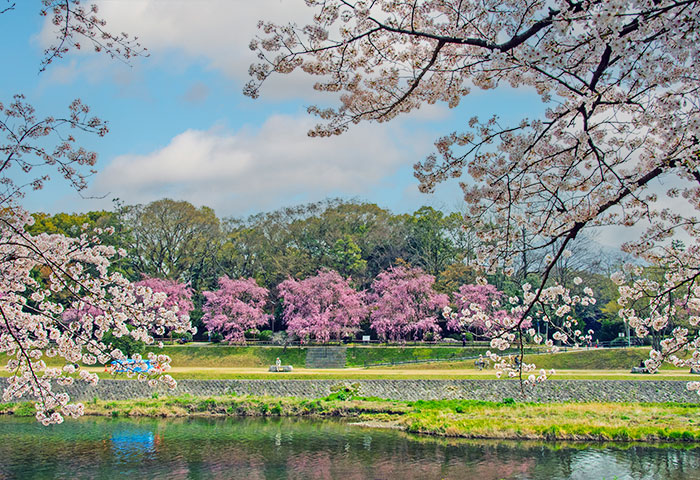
x: 198, y: 356
x: 224, y: 362
x: 407, y: 357
x: 264, y: 356
x: 450, y: 418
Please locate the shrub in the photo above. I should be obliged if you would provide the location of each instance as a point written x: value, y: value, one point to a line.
x: 182, y: 337
x: 265, y: 336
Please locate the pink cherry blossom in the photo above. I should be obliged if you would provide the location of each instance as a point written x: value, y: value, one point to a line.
x: 323, y: 307
x: 404, y: 306
x: 237, y: 306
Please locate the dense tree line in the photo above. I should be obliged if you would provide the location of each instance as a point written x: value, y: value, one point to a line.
x: 176, y: 241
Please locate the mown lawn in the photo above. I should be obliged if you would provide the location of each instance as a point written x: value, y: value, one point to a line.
x: 263, y: 356
x: 358, y: 356
x: 234, y: 362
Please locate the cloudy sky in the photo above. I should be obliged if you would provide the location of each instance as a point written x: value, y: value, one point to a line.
x: 181, y: 128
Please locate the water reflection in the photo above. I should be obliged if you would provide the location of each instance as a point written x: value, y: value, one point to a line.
x: 303, y: 449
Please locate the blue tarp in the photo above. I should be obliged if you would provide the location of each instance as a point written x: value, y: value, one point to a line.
x: 131, y: 365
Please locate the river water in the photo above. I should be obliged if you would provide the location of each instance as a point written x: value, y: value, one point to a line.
x: 282, y: 448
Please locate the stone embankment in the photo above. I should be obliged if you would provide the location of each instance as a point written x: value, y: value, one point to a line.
x: 411, y: 390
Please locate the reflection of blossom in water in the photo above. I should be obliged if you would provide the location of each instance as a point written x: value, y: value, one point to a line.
x: 367, y: 442
x: 311, y: 465
x: 448, y: 463
x: 493, y: 466
x: 278, y: 439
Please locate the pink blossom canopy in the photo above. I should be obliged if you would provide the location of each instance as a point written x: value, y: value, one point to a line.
x: 404, y: 304
x: 237, y: 306
x: 322, y: 307
x: 178, y: 294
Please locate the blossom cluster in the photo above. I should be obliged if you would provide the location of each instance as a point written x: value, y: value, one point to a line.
x: 237, y: 306
x: 77, y: 23
x: 58, y: 299
x: 665, y: 306
x: 322, y: 307
x: 511, y: 324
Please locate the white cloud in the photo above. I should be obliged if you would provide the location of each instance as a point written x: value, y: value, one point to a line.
x: 257, y: 169
x: 217, y: 32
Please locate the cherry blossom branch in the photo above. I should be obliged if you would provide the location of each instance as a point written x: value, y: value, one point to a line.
x: 76, y: 21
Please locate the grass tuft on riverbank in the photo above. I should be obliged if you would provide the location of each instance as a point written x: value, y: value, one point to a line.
x: 647, y: 422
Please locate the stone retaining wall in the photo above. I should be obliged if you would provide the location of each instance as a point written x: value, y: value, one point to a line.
x: 493, y: 390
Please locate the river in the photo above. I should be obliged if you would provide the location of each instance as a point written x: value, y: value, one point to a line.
x: 300, y: 448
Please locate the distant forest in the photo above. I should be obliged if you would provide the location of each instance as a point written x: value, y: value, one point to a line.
x: 174, y: 240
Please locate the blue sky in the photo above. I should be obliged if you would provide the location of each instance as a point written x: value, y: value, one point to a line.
x: 181, y: 128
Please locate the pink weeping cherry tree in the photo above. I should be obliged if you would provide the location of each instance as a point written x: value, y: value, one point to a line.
x: 237, y: 306
x: 404, y: 306
x: 322, y: 308
x: 481, y: 309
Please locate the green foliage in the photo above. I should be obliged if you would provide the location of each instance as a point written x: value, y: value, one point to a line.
x: 610, y: 329
x: 215, y: 337
x: 251, y: 333
x: 125, y: 343
x: 591, y: 359
x: 454, y: 276
x: 360, y: 356
x: 356, y: 239
x: 183, y: 337
x: 429, y: 244
x: 225, y: 355
x: 265, y: 336
x: 468, y: 336
x: 206, y: 405
x: 464, y: 418
x: 174, y: 240
x: 346, y: 257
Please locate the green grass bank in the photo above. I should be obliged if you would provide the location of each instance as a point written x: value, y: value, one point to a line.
x: 624, y: 422
x: 213, y: 356
x: 263, y: 356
